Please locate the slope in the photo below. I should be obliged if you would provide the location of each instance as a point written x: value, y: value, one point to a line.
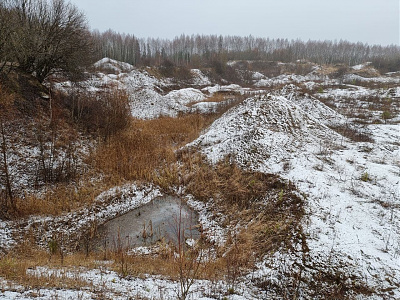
x: 353, y: 188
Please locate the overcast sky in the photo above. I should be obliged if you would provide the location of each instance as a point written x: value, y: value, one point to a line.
x: 370, y: 21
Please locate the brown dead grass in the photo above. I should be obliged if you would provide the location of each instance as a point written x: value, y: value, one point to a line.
x: 353, y: 133
x: 265, y: 205
x: 145, y: 147
x: 164, y: 264
x: 18, y: 266
x: 217, y: 97
x: 60, y: 199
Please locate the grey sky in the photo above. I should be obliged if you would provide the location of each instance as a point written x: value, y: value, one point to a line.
x: 371, y: 21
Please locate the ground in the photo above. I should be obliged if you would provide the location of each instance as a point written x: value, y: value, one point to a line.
x: 329, y: 137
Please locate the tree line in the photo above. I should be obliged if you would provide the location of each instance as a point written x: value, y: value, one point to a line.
x: 43, y: 36
x: 203, y: 50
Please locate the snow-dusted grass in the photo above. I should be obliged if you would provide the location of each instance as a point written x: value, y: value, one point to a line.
x: 109, y: 285
x: 350, y: 220
x: 349, y: 237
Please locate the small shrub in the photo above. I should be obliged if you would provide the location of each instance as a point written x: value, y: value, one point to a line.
x: 102, y: 114
x: 365, y: 177
x: 356, y: 134
x: 386, y: 115
x: 53, y: 246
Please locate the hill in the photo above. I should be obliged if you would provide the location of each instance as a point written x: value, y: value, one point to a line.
x: 294, y: 178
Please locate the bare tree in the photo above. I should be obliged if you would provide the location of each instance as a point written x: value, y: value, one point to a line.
x: 5, y: 31
x: 8, y: 205
x: 204, y: 50
x: 48, y: 36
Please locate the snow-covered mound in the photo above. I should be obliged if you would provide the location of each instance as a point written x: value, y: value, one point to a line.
x: 351, y: 78
x: 288, y: 79
x: 186, y: 96
x: 146, y: 92
x: 350, y: 92
x: 361, y: 66
x: 264, y: 131
x: 111, y: 65
x: 353, y: 189
x: 312, y: 106
x: 199, y: 78
x: 148, y: 104
x: 233, y: 88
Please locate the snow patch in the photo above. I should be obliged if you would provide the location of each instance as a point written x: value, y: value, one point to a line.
x: 353, y: 218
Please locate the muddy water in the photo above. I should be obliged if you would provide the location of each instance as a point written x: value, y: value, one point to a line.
x: 143, y: 226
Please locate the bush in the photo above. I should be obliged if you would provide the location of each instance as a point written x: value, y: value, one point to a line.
x: 45, y: 36
x: 385, y: 64
x: 386, y: 115
x: 102, y: 114
x: 365, y: 177
x: 167, y: 68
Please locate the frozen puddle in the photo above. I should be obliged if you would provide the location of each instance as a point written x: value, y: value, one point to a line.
x: 143, y: 226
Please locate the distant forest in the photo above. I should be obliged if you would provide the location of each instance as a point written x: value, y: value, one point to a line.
x: 204, y: 50
x: 43, y: 37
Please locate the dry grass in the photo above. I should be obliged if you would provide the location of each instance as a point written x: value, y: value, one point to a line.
x: 164, y: 264
x: 145, y: 147
x: 217, y: 97
x: 353, y: 133
x: 59, y: 199
x: 19, y: 265
x: 266, y: 208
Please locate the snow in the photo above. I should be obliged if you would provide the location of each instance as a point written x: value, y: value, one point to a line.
x: 260, y: 125
x: 186, y: 96
x: 350, y: 220
x: 352, y: 190
x: 350, y: 78
x: 199, y: 78
x: 215, y: 233
x: 286, y: 79
x: 109, y: 204
x: 109, y: 64
x: 223, y: 88
x: 361, y: 66
x: 350, y: 92
x: 146, y: 92
x: 101, y: 282
x: 6, y: 240
x: 258, y: 76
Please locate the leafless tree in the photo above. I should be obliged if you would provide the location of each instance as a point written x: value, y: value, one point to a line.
x: 5, y: 31
x: 204, y: 50
x: 47, y: 36
x: 122, y: 47
x: 7, y: 205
